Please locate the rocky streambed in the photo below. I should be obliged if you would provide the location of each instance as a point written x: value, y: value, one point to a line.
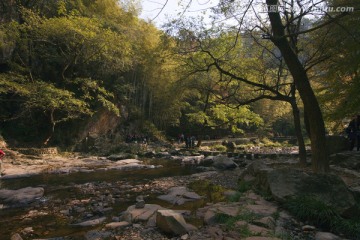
x: 107, y: 198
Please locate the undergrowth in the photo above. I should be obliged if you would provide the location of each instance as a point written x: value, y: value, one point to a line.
x: 230, y: 222
x: 313, y: 211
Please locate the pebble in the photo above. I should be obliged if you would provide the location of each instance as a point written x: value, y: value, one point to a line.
x: 184, y: 237
x: 308, y: 228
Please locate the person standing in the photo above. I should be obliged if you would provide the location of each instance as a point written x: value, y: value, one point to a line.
x: 353, y: 131
x: 2, y: 154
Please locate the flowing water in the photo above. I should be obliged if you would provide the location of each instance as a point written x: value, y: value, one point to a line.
x: 62, y: 188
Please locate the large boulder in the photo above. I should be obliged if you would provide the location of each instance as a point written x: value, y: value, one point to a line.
x: 285, y: 183
x: 21, y: 196
x: 255, y: 173
x: 172, y: 222
x: 223, y: 162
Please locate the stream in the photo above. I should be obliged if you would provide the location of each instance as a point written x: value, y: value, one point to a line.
x: 97, y: 193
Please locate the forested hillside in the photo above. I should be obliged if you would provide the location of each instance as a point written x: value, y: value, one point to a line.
x: 65, y: 63
x: 74, y: 68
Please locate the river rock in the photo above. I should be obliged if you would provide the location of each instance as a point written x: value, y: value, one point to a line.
x: 140, y: 204
x: 326, y: 236
x: 114, y: 225
x: 223, y: 162
x: 21, y: 196
x: 179, y: 196
x: 89, y: 223
x: 208, y: 213
x: 129, y: 164
x: 193, y: 159
x: 170, y: 221
x: 97, y: 235
x: 16, y: 236
x: 139, y: 198
x: 128, y: 161
x: 133, y: 214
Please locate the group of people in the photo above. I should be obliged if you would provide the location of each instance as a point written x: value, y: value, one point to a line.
x: 133, y: 138
x: 188, y: 139
x: 353, y: 132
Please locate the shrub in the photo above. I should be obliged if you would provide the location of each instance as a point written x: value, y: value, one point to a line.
x: 244, y: 186
x: 229, y: 221
x: 315, y: 212
x: 234, y: 197
x: 219, y: 147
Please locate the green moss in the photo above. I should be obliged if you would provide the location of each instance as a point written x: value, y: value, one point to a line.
x: 214, y: 193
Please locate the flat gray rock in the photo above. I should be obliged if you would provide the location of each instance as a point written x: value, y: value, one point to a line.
x: 179, y: 196
x: 22, y: 196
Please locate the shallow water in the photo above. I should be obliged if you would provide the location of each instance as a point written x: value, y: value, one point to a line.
x: 170, y: 168
x: 59, y: 188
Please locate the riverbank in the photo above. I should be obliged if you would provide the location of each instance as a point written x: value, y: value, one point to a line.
x: 95, y: 198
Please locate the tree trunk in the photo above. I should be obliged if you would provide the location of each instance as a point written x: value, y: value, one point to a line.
x: 299, y: 135
x: 53, y: 123
x: 307, y: 124
x: 320, y: 161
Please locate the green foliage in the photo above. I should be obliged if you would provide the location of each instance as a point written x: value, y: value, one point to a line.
x: 229, y: 222
x: 234, y: 197
x: 268, y: 143
x: 311, y: 210
x: 73, y: 58
x: 44, y: 96
x: 338, y: 82
x: 151, y: 130
x: 318, y: 213
x: 350, y: 228
x: 244, y: 186
x: 218, y: 147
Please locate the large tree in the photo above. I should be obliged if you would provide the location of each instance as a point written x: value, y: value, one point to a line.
x: 313, y: 112
x: 339, y: 81
x: 283, y: 24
